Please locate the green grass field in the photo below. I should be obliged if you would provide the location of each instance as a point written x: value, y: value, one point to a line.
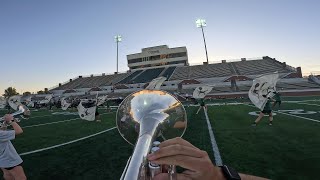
x: 287, y: 150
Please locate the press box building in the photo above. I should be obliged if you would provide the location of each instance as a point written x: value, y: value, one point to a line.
x: 158, y: 56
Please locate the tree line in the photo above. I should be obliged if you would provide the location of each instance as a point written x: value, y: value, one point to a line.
x: 11, y: 91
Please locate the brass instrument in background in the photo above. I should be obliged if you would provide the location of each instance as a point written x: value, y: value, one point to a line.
x: 144, y: 119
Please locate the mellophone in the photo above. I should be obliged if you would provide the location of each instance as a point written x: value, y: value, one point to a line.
x: 22, y: 111
x: 144, y: 119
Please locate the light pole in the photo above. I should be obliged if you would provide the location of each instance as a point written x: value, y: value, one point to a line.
x: 118, y: 39
x: 200, y: 24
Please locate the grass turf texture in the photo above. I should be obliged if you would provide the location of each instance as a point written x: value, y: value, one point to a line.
x: 286, y: 150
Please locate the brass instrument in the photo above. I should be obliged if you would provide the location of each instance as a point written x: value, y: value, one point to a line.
x: 143, y: 118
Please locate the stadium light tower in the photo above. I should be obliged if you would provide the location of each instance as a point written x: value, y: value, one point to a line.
x: 200, y: 24
x: 118, y: 39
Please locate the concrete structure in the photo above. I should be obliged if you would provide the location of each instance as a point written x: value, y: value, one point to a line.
x: 158, y: 56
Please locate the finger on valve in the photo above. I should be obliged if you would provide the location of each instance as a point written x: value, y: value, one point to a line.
x: 174, y: 141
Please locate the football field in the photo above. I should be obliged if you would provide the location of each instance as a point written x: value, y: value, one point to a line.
x: 59, y: 145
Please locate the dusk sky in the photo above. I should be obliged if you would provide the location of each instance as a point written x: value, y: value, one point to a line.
x: 45, y: 42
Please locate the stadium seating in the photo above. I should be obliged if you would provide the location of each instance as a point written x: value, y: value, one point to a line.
x: 253, y: 67
x: 128, y: 79
x: 201, y: 71
x: 148, y: 75
x: 72, y: 84
x: 168, y: 72
x: 297, y: 85
x: 92, y: 81
x: 205, y: 73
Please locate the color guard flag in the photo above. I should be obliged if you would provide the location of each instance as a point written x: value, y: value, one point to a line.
x: 262, y: 88
x: 101, y: 100
x: 201, y: 91
x: 64, y: 104
x: 29, y: 102
x: 86, y: 113
x: 14, y: 102
x: 47, y: 99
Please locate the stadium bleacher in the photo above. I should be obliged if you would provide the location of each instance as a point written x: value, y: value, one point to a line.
x: 207, y: 73
x: 147, y: 75
x: 258, y: 67
x: 297, y: 85
x: 168, y: 72
x: 128, y: 78
x: 251, y: 67
x: 201, y: 71
x: 92, y: 81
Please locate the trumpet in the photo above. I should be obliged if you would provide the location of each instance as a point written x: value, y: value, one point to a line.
x: 144, y: 119
x: 23, y: 111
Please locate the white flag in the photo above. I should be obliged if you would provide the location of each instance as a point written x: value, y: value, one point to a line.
x: 64, y: 104
x: 46, y: 99
x: 14, y: 102
x: 156, y: 83
x: 3, y: 102
x: 101, y: 100
x: 262, y: 88
x: 201, y: 91
x: 86, y: 113
x: 29, y: 102
x: 28, y: 99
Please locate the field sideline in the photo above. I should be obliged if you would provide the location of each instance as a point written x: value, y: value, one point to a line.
x: 287, y: 150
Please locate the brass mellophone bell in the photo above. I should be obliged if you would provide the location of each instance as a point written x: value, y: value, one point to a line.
x: 22, y: 110
x: 143, y: 118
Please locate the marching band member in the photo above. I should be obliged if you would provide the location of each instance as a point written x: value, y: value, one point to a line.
x: 266, y: 110
x: 277, y: 99
x: 10, y: 161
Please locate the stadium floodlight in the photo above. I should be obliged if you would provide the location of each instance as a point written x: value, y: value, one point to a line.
x: 200, y: 24
x: 118, y: 39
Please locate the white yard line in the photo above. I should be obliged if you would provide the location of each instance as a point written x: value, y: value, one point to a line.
x: 215, y: 104
x: 309, y: 119
x: 40, y: 116
x: 216, y: 152
x: 309, y: 104
x: 315, y: 100
x: 63, y: 144
x: 56, y: 122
